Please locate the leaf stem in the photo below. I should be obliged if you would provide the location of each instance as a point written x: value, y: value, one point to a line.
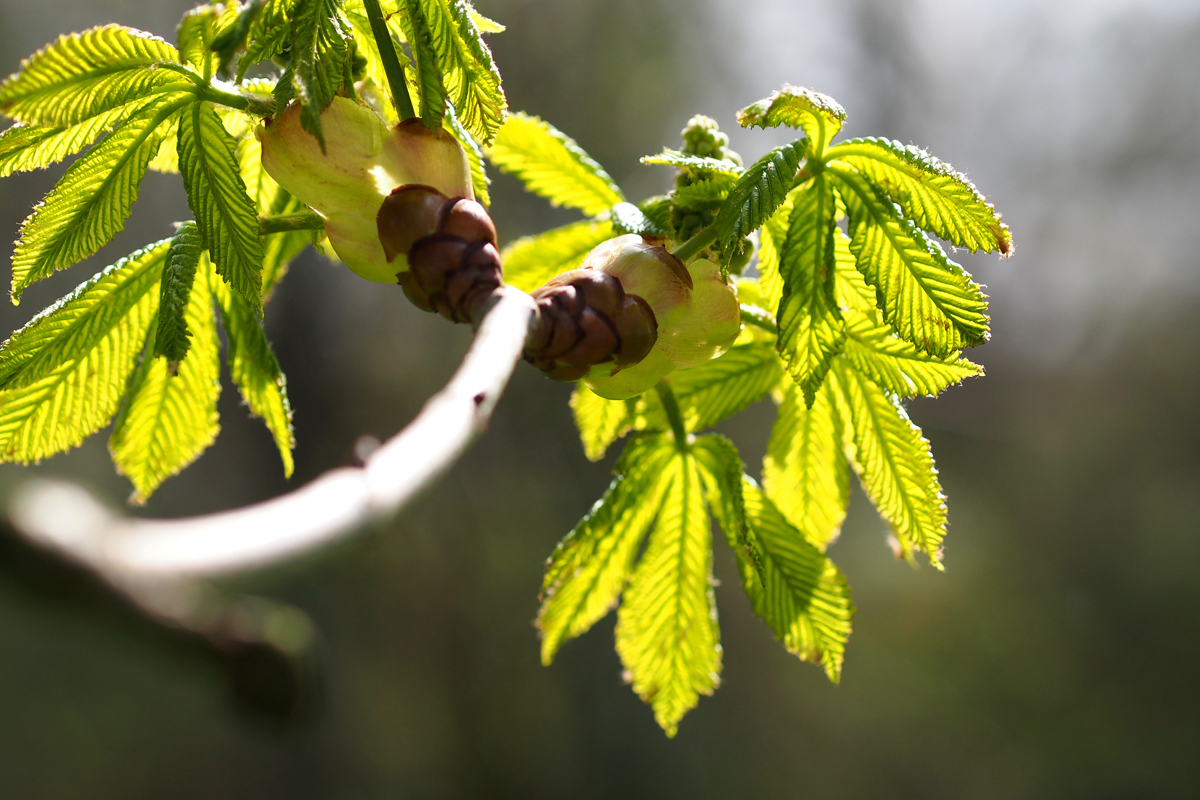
x: 692, y: 247
x: 257, y: 105
x: 759, y: 318
x: 391, y: 62
x: 299, y: 221
x: 667, y: 397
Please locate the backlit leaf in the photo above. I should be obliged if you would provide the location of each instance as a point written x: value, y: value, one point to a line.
x: 172, y: 338
x: 818, y: 115
x: 320, y: 48
x: 718, y: 389
x: 600, y: 421
x: 699, y: 166
x: 760, y: 190
x: 25, y: 147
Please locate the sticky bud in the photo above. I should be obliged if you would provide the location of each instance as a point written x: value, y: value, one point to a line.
x: 363, y: 163
x: 696, y: 317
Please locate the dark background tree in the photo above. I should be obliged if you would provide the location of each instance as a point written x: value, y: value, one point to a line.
x: 1054, y: 658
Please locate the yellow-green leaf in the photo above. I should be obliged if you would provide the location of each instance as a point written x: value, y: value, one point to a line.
x: 601, y: 422
x: 532, y: 260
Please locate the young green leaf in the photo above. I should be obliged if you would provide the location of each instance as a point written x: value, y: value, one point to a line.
x: 717, y: 390
x: 704, y: 194
x: 471, y: 80
x: 818, y: 115
x: 320, y: 48
x: 667, y: 634
x: 801, y: 595
x: 532, y: 260
x: 63, y: 375
x: 254, y: 369
x: 172, y: 338
x: 772, y: 237
x: 419, y: 31
x: 811, y: 331
x: 930, y: 192
x: 90, y: 203
x: 628, y: 218
x: 25, y: 147
x: 721, y: 470
x: 805, y: 471
x: 552, y: 165
x: 268, y: 36
x: 601, y: 422
x: 894, y: 463
x: 926, y: 298
x: 217, y: 196
x: 484, y: 24
x: 700, y: 167
x: 170, y: 415
x: 589, y: 568
x: 760, y: 190
x: 194, y: 37
x: 82, y: 75
x: 479, y: 178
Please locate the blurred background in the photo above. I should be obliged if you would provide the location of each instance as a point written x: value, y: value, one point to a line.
x: 1056, y: 657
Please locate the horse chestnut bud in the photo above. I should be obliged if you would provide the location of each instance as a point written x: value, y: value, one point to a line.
x: 695, y: 312
x: 363, y: 162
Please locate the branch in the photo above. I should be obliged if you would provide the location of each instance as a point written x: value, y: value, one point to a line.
x: 142, y: 556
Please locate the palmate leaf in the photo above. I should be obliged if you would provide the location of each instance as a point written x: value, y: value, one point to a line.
x: 805, y: 471
x: 89, y: 205
x: 667, y: 634
x: 25, y: 147
x: 320, y: 48
x: 170, y: 414
x: 894, y: 463
x: 930, y: 192
x: 172, y: 336
x: 431, y: 82
x: 760, y: 190
x: 926, y: 298
x: 254, y: 369
x: 818, y: 115
x: 600, y: 421
x: 716, y: 390
x: 195, y: 35
x: 85, y: 74
x: 800, y: 593
x: 470, y: 77
x: 217, y: 196
x: 552, y: 165
x: 811, y: 331
x: 772, y: 237
x: 63, y: 375
x: 532, y: 260
x: 590, y: 567
x: 721, y: 471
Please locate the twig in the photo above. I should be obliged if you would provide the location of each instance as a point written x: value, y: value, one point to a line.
x: 139, y: 556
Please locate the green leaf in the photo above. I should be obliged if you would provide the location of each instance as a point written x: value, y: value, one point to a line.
x: 718, y: 389
x: 25, y: 147
x: 894, y: 463
x: 589, y: 568
x: 930, y: 192
x: 667, y: 634
x: 82, y: 75
x: 811, y: 331
x: 818, y: 115
x: 63, y: 375
x: 721, y: 470
x: 805, y: 471
x: 479, y: 177
x: 195, y: 35
x: 470, y: 77
x: 801, y: 594
x: 90, y: 203
x: 532, y: 260
x: 926, y: 298
x: 217, y: 196
x: 601, y: 422
x: 700, y: 167
x: 704, y: 194
x: 255, y: 370
x: 268, y: 35
x: 170, y: 416
x: 172, y: 338
x: 320, y: 49
x: 431, y: 82
x: 484, y: 24
x: 552, y: 165
x: 760, y: 190
x: 771, y: 239
x: 628, y: 218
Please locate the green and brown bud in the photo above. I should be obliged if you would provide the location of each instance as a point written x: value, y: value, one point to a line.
x: 695, y: 314
x: 363, y: 163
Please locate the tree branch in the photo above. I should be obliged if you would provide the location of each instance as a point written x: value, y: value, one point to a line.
x: 139, y: 556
